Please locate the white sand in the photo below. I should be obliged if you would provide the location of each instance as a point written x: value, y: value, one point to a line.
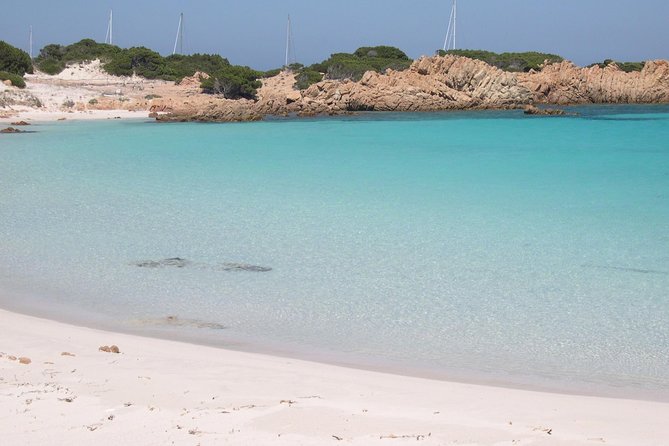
x: 50, y: 115
x: 158, y: 392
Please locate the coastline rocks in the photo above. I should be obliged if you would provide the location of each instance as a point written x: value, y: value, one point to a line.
x: 11, y: 130
x: 565, y: 83
x: 20, y: 123
x: 438, y: 83
x: 532, y: 110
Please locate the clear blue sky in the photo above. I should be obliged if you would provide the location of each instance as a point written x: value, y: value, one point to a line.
x: 253, y: 32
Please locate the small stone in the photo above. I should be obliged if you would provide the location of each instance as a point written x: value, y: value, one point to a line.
x: 109, y: 349
x: 67, y: 354
x: 24, y: 360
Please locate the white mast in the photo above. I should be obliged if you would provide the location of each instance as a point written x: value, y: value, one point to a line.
x: 31, y: 41
x: 109, y: 37
x: 452, y: 28
x: 455, y: 21
x: 287, y: 42
x: 180, y: 36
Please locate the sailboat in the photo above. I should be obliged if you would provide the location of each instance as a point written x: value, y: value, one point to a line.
x: 109, y: 37
x: 449, y: 41
x: 290, y: 48
x: 179, y: 40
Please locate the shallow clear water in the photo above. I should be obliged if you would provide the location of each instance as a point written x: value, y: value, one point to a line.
x: 485, y: 246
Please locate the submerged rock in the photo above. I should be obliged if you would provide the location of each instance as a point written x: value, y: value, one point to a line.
x: 244, y: 267
x: 11, y: 130
x: 175, y: 262
x: 175, y: 321
x: 178, y: 262
x: 532, y: 110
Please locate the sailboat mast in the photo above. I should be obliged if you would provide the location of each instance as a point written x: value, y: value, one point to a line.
x: 180, y: 36
x: 31, y: 42
x: 455, y: 21
x: 111, y: 26
x: 451, y: 32
x: 448, y: 31
x: 287, y: 42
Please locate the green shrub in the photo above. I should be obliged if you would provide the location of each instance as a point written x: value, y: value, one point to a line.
x: 627, y: 67
x: 178, y: 66
x: 51, y: 66
x: 272, y: 73
x: 53, y: 58
x: 353, y: 66
x: 14, y: 60
x: 516, y: 62
x: 68, y: 104
x: 93, y: 101
x: 230, y: 80
x: 233, y: 82
x: 15, y: 79
x: 306, y: 78
x: 148, y: 97
x: 384, y: 52
x: 137, y: 60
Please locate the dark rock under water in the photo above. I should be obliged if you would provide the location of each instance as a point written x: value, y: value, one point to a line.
x: 175, y: 321
x: 244, y: 267
x: 178, y: 262
x: 175, y: 262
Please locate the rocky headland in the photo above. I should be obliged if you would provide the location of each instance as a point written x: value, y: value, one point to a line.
x: 441, y: 83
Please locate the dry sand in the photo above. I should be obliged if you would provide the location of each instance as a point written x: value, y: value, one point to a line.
x: 85, y: 91
x: 158, y: 392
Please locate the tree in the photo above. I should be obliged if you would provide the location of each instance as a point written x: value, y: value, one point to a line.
x: 14, y: 60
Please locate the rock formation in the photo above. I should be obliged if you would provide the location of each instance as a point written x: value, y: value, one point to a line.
x: 431, y: 84
x: 533, y: 110
x: 565, y: 83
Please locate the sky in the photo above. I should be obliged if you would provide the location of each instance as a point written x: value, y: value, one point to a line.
x: 254, y: 32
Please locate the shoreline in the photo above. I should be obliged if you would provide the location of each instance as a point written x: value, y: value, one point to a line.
x: 291, y: 351
x: 36, y: 116
x: 157, y: 391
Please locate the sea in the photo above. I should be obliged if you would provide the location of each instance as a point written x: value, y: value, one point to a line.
x: 485, y: 247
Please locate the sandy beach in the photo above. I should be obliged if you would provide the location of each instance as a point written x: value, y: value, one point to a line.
x: 57, y: 387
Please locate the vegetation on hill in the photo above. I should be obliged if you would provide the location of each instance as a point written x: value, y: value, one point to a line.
x: 53, y: 58
x: 517, y: 62
x: 353, y: 66
x: 15, y: 79
x: 340, y: 66
x: 230, y: 80
x: 14, y: 60
x: 233, y: 82
x: 627, y: 67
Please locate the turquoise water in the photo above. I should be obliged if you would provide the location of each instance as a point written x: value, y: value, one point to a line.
x: 486, y: 247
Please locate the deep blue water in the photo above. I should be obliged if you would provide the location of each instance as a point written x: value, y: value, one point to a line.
x: 486, y: 246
